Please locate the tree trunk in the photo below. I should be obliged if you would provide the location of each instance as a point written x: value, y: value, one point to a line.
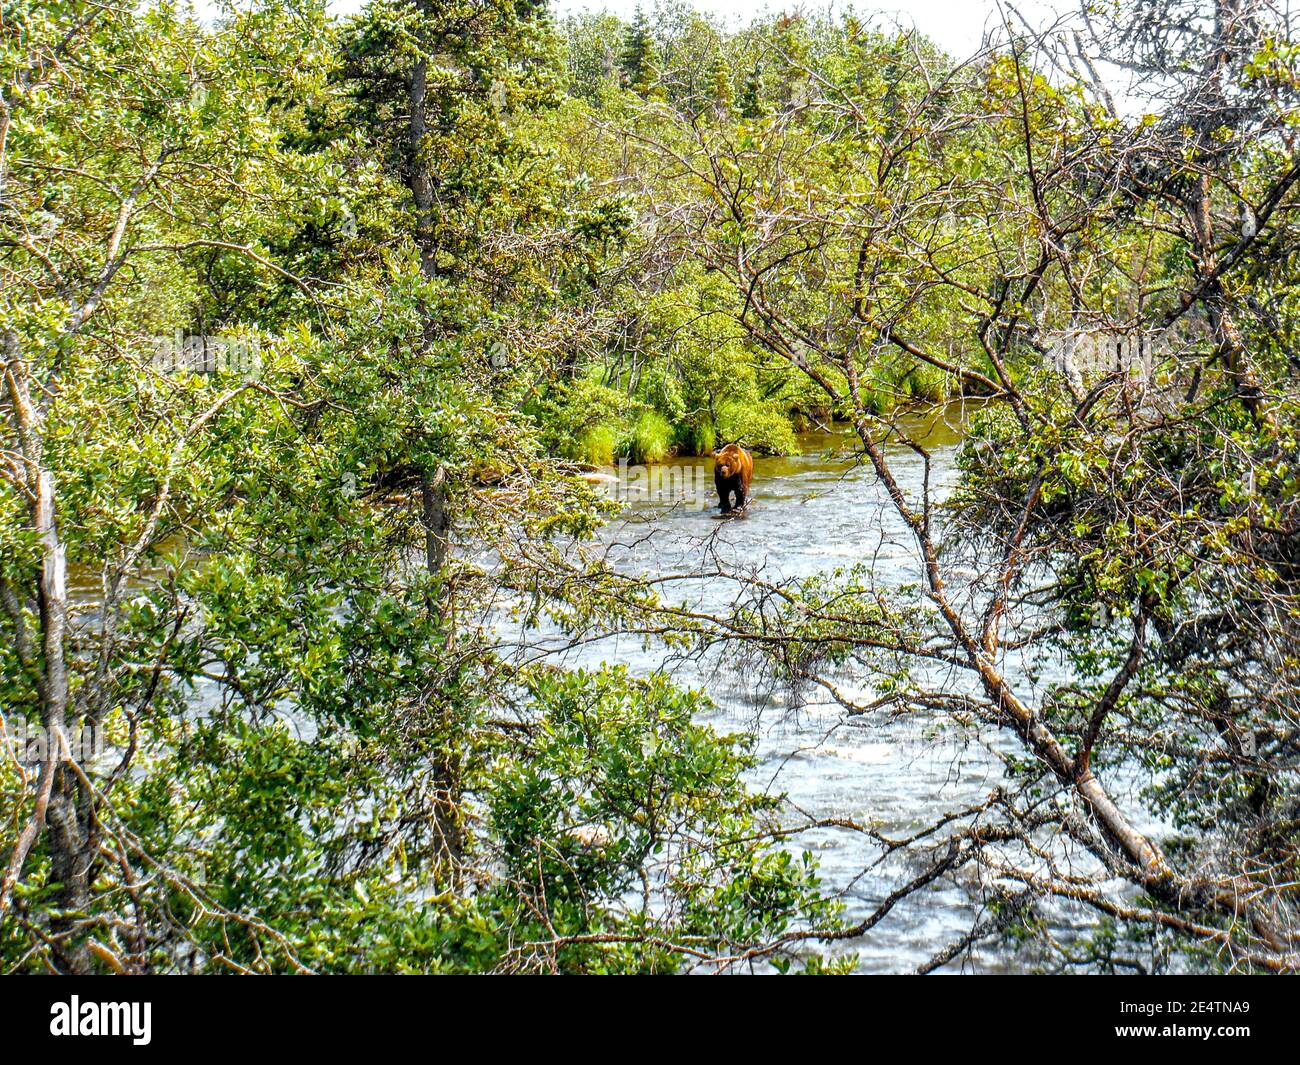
x: 62, y: 808
x: 445, y: 814
x: 1227, y: 336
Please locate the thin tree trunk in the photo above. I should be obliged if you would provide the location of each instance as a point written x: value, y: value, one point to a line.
x: 1227, y: 336
x: 445, y: 814
x: 433, y: 496
x: 60, y: 807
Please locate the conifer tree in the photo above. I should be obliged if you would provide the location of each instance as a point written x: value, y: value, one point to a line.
x: 751, y: 94
x: 720, y: 84
x: 638, y: 59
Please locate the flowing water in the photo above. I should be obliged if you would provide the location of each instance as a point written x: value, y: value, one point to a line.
x: 811, y: 513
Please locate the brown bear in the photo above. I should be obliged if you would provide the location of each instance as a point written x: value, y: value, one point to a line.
x: 732, y: 470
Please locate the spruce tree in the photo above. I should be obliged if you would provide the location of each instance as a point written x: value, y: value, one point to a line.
x: 637, y: 61
x: 751, y: 94
x: 720, y: 84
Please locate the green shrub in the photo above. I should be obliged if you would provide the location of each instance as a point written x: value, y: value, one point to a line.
x: 928, y: 383
x: 583, y: 420
x: 811, y: 420
x: 650, y: 440
x: 698, y: 438
x: 756, y: 426
x: 595, y: 445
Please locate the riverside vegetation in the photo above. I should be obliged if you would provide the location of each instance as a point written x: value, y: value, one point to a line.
x: 476, y: 251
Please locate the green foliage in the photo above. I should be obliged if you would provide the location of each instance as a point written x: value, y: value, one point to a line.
x: 326, y: 766
x: 595, y: 446
x: 650, y: 439
x: 584, y: 421
x: 638, y: 59
x: 700, y: 438
x: 471, y: 249
x: 755, y: 426
x: 618, y: 778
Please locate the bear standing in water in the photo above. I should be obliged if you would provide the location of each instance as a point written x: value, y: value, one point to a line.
x: 733, y: 467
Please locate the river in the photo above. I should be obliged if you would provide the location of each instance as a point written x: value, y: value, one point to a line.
x: 812, y: 512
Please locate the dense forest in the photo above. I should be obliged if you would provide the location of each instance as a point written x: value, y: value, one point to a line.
x: 319, y: 332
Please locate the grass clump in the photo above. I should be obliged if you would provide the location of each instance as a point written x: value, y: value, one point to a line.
x: 650, y: 439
